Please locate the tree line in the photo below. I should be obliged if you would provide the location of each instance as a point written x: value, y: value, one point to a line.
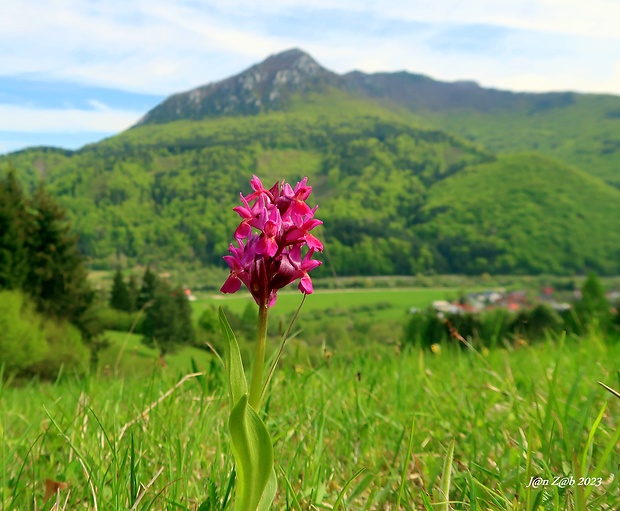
x: 51, y: 317
x: 167, y: 321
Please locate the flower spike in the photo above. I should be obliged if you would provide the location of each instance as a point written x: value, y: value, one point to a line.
x: 275, y: 227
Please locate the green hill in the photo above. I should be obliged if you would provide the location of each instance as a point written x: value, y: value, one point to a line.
x: 523, y: 213
x: 584, y: 132
x: 397, y: 195
x: 164, y: 193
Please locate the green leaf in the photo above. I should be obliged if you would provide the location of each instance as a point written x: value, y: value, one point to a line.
x: 269, y: 493
x: 250, y: 439
x: 254, y: 456
x: 234, y: 365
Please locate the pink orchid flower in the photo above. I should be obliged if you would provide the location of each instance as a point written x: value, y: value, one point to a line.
x: 272, y: 238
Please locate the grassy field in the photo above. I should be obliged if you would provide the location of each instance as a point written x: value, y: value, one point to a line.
x: 339, y: 318
x: 127, y: 356
x: 382, y: 303
x: 154, y: 440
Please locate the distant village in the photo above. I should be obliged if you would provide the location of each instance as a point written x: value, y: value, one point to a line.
x: 476, y: 302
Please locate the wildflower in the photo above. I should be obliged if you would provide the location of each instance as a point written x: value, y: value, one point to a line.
x: 273, y: 247
x: 275, y: 227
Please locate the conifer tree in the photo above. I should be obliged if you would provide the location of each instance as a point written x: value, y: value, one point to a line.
x: 148, y: 289
x: 168, y: 324
x: 56, y: 276
x: 120, y: 299
x: 13, y: 263
x: 132, y: 289
x: 184, y: 328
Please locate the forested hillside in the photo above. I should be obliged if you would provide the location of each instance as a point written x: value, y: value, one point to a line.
x: 584, y: 131
x: 397, y: 195
x: 155, y: 197
x: 523, y: 214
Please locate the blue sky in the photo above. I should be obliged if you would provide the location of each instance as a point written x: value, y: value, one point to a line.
x: 76, y: 71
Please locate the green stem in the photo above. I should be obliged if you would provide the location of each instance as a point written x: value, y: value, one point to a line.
x: 256, y: 386
x: 284, y: 339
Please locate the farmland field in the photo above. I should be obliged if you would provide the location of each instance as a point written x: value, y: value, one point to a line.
x: 397, y: 301
x: 139, y: 442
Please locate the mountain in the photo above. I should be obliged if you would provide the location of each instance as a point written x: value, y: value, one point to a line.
x: 580, y: 129
x: 398, y: 191
x: 263, y: 87
x: 269, y: 86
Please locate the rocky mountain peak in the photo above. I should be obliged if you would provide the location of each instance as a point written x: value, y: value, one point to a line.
x: 290, y: 60
x: 290, y: 67
x: 264, y: 86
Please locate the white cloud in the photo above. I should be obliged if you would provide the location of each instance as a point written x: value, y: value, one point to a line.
x: 34, y: 120
x: 157, y: 46
x: 98, y: 105
x: 165, y: 46
x: 518, y: 65
x: 595, y: 18
x: 530, y: 82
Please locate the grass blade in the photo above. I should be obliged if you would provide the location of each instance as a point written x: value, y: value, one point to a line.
x: 345, y: 487
x: 445, y: 478
x: 584, y: 458
x: 403, y: 478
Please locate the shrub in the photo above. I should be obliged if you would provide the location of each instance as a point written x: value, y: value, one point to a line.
x: 536, y: 323
x: 31, y: 344
x: 22, y: 340
x: 425, y: 328
x: 65, y: 351
x: 209, y: 330
x: 121, y: 321
x: 495, y: 327
x: 593, y: 311
x: 467, y: 325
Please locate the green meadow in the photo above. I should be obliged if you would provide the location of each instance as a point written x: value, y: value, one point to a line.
x: 377, y: 429
x: 394, y: 302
